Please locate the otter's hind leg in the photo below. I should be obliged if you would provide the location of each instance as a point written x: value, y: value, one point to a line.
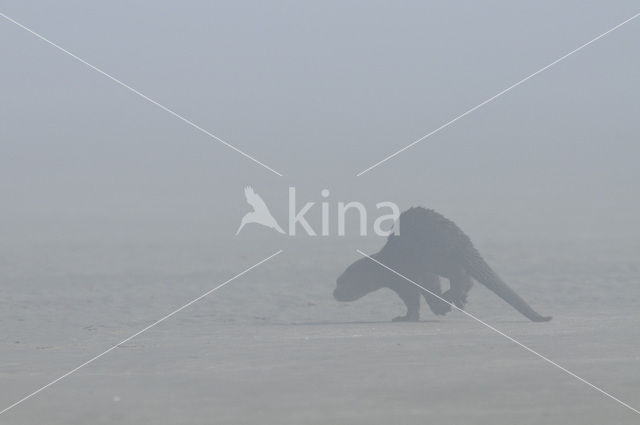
x: 431, y: 282
x: 460, y: 284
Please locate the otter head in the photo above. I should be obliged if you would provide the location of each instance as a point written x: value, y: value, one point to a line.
x: 365, y: 275
x: 360, y: 278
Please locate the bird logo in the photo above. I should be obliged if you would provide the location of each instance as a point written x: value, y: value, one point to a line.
x: 260, y: 213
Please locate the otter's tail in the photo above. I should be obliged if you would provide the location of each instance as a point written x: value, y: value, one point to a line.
x: 480, y: 271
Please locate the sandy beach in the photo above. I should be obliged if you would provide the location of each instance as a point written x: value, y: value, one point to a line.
x: 356, y: 373
x: 268, y: 349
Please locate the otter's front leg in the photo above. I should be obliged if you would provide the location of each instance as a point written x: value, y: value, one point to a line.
x: 410, y: 295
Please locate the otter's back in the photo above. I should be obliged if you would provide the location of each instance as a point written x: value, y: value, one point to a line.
x: 431, y: 237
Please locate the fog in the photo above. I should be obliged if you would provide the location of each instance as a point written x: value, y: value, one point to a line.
x: 320, y: 93
x: 112, y: 199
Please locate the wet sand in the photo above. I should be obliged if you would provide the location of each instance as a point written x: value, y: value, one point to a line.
x: 275, y: 348
x: 451, y: 371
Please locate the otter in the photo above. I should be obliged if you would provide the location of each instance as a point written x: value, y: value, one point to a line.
x: 429, y: 246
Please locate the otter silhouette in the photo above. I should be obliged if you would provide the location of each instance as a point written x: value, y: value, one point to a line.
x: 428, y: 246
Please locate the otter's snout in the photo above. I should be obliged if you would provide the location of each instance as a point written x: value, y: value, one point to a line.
x: 339, y: 294
x: 336, y: 292
x: 344, y: 292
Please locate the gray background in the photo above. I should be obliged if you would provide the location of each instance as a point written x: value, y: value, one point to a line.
x: 113, y: 213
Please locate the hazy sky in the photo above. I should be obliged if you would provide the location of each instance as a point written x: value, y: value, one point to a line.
x: 319, y: 92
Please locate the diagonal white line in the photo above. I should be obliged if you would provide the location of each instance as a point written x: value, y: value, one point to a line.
x: 480, y: 105
x: 131, y: 89
x: 546, y: 359
x: 138, y: 333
